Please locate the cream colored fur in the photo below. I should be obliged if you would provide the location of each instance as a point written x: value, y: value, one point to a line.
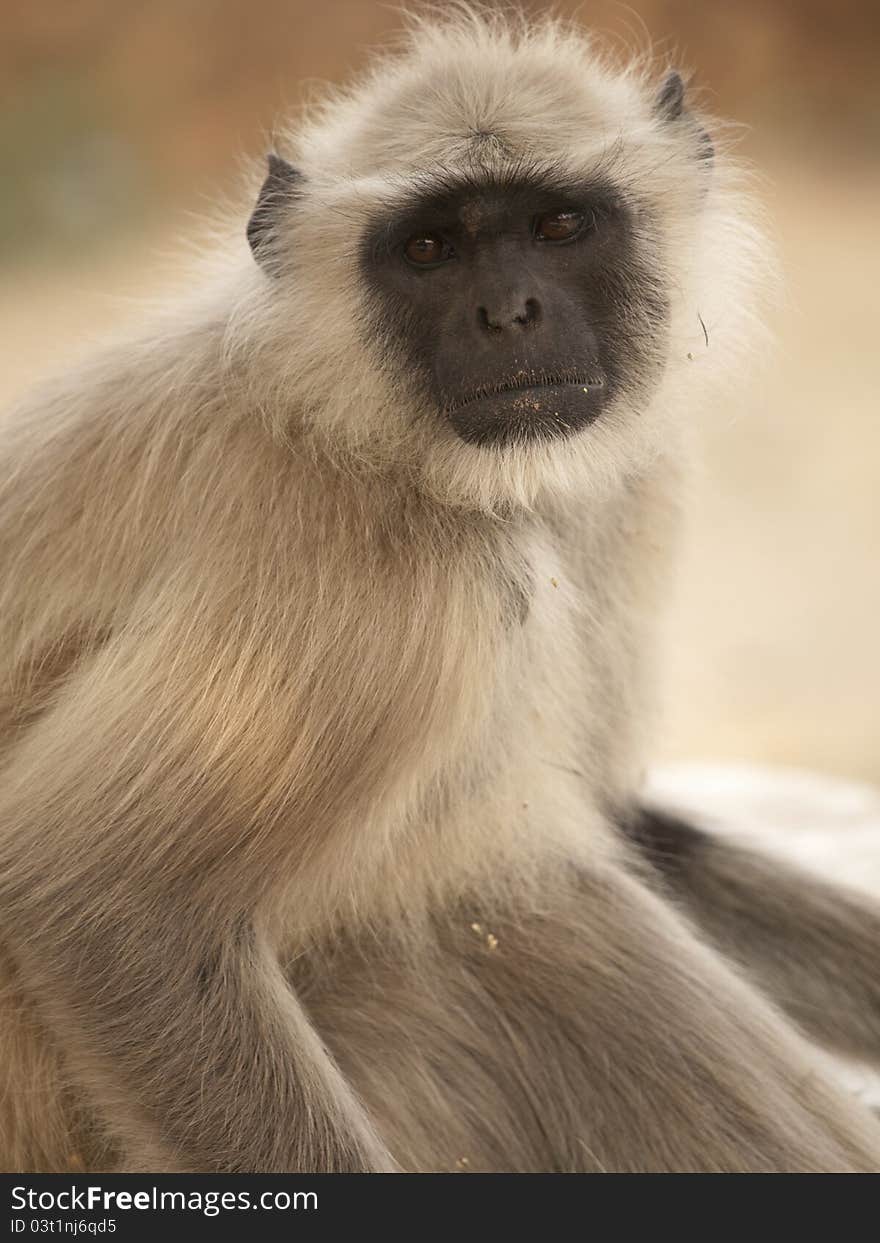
x: 270, y: 701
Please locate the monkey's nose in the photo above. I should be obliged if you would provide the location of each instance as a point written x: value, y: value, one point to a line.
x: 514, y: 314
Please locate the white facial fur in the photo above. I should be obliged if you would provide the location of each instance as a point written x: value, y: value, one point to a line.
x: 530, y: 93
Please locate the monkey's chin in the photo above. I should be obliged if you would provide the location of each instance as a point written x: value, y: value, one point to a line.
x: 525, y: 415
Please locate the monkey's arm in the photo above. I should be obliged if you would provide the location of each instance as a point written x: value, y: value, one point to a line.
x: 813, y: 946
x: 142, y: 842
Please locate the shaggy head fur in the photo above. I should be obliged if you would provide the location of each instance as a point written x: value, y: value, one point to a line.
x: 478, y: 97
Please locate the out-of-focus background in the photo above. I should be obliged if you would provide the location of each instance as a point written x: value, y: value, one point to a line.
x: 120, y: 121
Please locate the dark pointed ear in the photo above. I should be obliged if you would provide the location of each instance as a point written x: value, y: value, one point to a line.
x: 283, y: 184
x: 669, y: 101
x: 669, y: 106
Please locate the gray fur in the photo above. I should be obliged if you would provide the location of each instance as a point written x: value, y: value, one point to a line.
x: 307, y: 852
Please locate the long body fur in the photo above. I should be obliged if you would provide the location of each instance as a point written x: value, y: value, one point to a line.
x: 314, y: 734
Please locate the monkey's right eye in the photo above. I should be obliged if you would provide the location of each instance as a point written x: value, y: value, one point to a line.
x: 426, y: 250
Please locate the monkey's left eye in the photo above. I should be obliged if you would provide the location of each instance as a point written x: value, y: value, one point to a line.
x: 559, y: 226
x: 426, y: 250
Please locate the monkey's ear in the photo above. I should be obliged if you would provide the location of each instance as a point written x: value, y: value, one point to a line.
x: 282, y: 184
x: 669, y: 106
x: 669, y: 101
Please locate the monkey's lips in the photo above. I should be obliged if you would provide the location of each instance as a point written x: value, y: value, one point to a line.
x: 516, y: 413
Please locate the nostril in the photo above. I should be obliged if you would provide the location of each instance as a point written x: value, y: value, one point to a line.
x: 530, y: 313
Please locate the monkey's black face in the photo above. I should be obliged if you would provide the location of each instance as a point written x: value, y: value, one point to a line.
x: 523, y: 304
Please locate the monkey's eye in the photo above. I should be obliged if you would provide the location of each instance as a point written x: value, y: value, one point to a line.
x: 426, y: 250
x: 559, y: 226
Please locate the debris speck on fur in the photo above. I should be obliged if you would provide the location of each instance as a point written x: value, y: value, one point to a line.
x: 489, y: 937
x: 690, y: 356
x: 554, y: 582
x: 462, y: 1163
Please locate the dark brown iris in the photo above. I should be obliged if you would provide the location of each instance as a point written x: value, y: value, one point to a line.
x: 424, y: 249
x: 559, y: 226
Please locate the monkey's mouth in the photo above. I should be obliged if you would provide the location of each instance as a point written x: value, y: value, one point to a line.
x: 528, y: 407
x: 525, y: 381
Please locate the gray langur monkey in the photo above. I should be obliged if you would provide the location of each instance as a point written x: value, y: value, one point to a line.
x: 326, y: 617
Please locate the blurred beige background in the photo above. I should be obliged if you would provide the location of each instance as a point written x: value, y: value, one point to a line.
x: 119, y: 120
